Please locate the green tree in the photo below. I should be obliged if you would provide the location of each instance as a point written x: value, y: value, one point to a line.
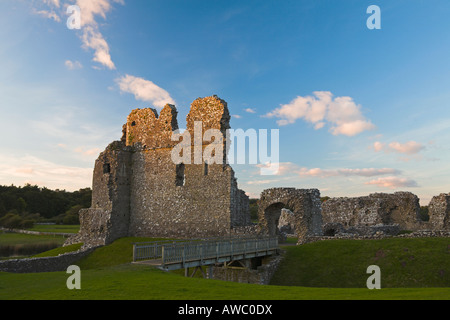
x: 21, y: 205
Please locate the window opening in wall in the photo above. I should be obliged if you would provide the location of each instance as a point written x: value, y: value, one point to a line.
x: 133, y: 123
x: 206, y: 168
x: 106, y: 168
x: 179, y: 180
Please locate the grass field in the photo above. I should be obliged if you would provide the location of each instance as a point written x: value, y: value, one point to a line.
x: 137, y: 282
x: 58, y: 228
x: 107, y: 274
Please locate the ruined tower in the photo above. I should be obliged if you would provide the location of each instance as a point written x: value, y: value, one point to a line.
x: 138, y: 189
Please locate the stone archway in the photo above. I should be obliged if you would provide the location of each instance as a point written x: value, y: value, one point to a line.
x: 304, y: 203
x: 272, y: 216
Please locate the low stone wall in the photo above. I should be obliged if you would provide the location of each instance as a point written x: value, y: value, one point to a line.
x: 46, y: 264
x: 378, y: 235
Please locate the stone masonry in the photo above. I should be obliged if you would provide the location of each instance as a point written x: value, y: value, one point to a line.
x: 303, y: 203
x: 400, y: 208
x: 439, y: 212
x: 138, y: 190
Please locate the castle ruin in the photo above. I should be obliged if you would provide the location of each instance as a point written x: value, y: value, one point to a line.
x: 139, y: 191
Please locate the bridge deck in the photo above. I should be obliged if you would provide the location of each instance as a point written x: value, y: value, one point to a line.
x: 171, y: 255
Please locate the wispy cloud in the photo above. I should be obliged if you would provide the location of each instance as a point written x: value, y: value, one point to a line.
x: 52, y: 3
x: 36, y: 171
x: 289, y: 168
x: 393, y: 182
x: 364, y: 172
x: 49, y: 14
x: 93, y: 39
x: 409, y: 150
x: 73, y: 65
x: 144, y: 90
x: 342, y: 114
x: 250, y: 110
x: 91, y: 36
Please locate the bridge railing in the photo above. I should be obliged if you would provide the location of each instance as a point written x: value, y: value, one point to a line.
x: 198, y: 250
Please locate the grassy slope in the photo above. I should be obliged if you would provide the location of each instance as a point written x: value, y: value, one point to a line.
x: 107, y: 274
x: 423, y: 262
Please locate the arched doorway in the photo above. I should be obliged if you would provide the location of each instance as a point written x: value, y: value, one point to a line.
x: 272, y: 216
x: 304, y: 204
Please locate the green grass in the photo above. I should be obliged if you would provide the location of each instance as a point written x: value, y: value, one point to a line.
x: 60, y: 250
x: 421, y: 262
x: 20, y: 238
x: 55, y: 228
x: 136, y: 282
x: 106, y: 274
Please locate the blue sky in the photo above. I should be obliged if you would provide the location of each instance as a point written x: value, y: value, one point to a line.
x: 358, y: 110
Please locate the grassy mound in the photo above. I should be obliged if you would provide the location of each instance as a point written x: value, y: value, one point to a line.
x: 420, y: 262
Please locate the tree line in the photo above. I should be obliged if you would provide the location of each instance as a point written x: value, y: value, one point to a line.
x: 24, y: 206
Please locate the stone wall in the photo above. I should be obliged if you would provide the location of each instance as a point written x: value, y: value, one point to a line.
x: 139, y: 189
x: 381, y: 235
x: 47, y: 264
x: 439, y: 212
x: 400, y: 208
x: 303, y: 203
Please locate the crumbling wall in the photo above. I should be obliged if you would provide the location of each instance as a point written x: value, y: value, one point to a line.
x: 400, y: 208
x: 439, y: 212
x: 304, y: 204
x: 140, y: 189
x: 108, y: 217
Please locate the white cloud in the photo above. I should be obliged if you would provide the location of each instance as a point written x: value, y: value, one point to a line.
x: 73, y: 65
x: 342, y: 114
x: 48, y: 14
x: 365, y: 172
x: 410, y: 148
x: 289, y: 168
x: 93, y: 39
x: 144, y: 90
x: 52, y: 2
x: 250, y: 110
x: 92, y: 8
x: 236, y: 116
x: 378, y: 146
x: 393, y: 182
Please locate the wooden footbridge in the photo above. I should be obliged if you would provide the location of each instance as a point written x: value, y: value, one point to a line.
x: 172, y: 255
